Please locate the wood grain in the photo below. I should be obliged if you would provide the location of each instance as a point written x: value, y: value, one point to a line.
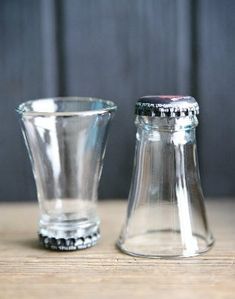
x: 28, y: 271
x: 216, y: 89
x: 119, y: 50
x: 21, y: 79
x: 122, y: 50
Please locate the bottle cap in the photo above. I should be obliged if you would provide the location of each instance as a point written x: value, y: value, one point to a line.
x: 166, y: 106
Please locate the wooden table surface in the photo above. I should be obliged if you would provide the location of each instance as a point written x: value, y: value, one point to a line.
x: 28, y: 271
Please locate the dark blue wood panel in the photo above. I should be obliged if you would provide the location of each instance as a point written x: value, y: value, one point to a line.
x: 21, y: 78
x: 119, y: 50
x: 122, y: 50
x: 216, y: 90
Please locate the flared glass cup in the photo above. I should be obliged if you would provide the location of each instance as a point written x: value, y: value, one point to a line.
x: 66, y: 140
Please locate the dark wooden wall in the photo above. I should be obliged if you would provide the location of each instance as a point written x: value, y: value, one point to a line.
x: 119, y: 50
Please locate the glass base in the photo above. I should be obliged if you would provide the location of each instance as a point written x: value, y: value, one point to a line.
x: 68, y: 235
x: 166, y: 244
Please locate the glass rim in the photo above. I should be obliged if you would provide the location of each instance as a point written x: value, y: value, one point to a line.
x: 111, y: 106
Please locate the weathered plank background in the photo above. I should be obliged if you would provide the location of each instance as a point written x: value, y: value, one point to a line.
x: 119, y: 50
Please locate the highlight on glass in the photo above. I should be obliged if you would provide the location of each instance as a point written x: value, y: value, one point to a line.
x: 66, y: 140
x: 166, y: 216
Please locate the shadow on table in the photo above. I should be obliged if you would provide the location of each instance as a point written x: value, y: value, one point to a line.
x: 30, y: 243
x: 27, y: 243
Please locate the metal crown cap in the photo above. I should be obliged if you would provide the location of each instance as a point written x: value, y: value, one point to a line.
x: 166, y: 106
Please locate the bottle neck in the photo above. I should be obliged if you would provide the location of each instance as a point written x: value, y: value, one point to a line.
x: 166, y: 159
x: 173, y: 131
x: 166, y: 124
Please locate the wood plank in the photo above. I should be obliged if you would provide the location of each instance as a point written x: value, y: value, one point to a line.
x: 21, y: 79
x: 51, y: 50
x: 110, y: 49
x: 122, y: 50
x: 119, y: 50
x: 29, y: 271
x: 216, y: 89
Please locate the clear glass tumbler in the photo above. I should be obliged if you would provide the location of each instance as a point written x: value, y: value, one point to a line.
x: 166, y: 216
x: 66, y: 140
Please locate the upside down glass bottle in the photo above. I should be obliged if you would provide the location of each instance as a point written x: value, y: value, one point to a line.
x: 166, y: 215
